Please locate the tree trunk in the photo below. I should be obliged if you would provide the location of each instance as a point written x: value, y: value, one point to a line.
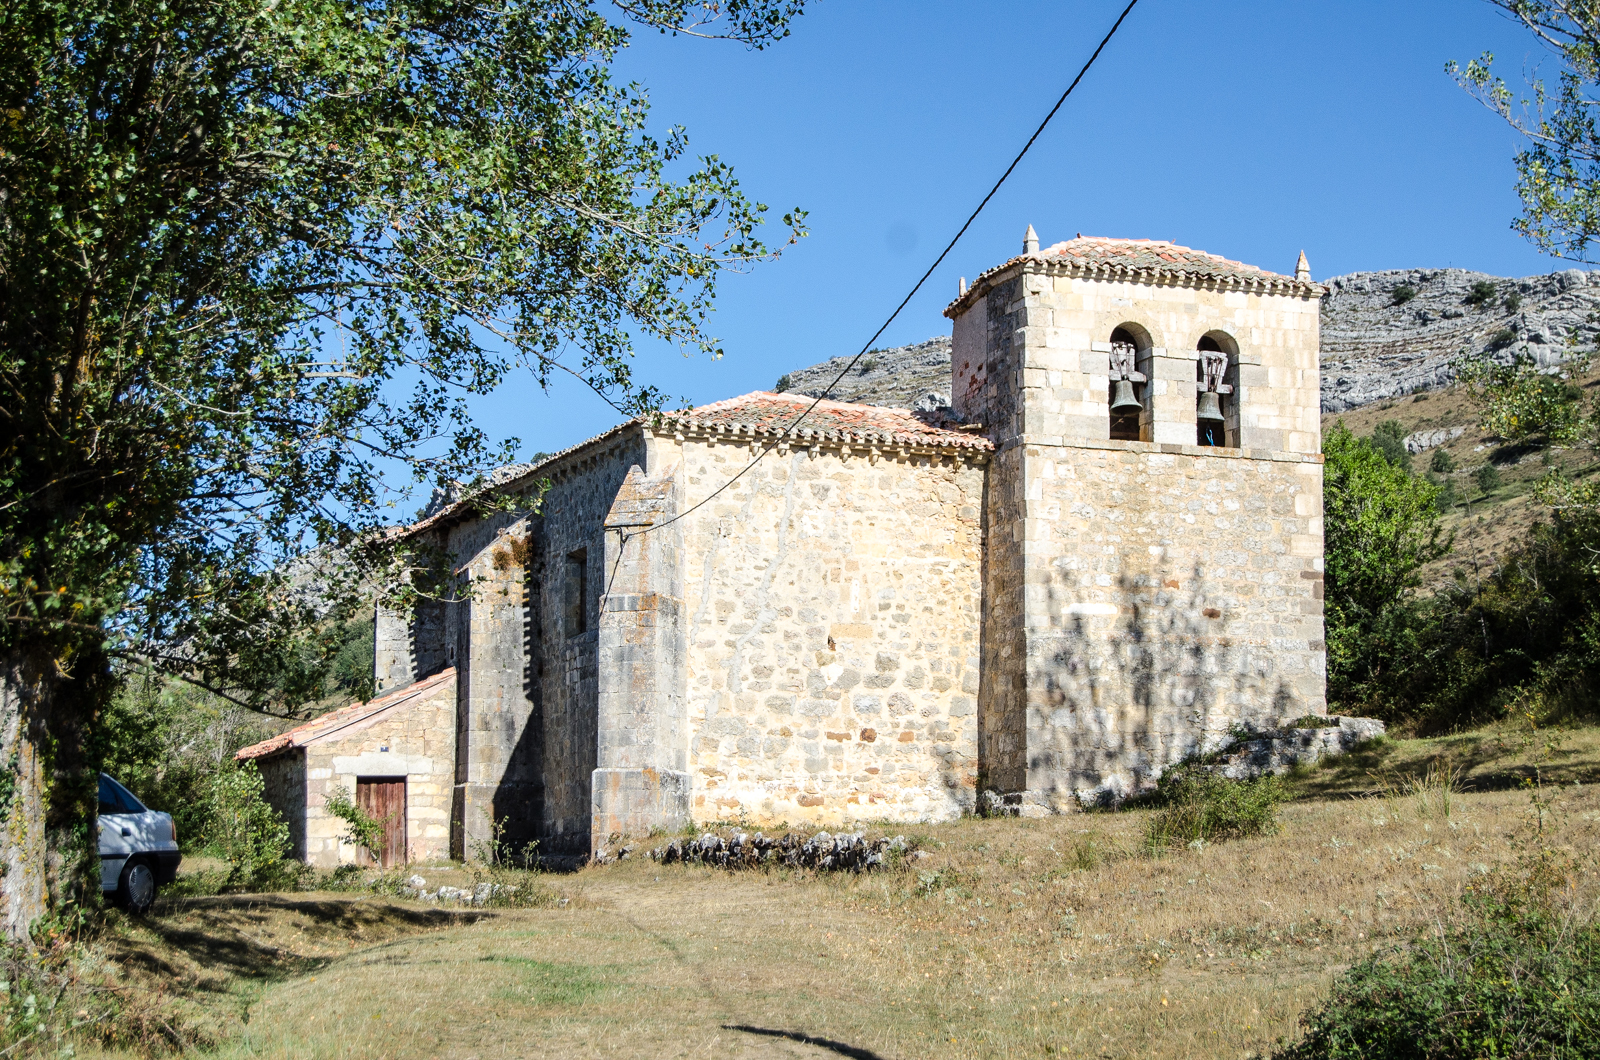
x: 48, y: 849
x: 25, y: 690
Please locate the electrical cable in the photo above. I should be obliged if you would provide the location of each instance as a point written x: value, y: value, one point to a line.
x: 789, y: 431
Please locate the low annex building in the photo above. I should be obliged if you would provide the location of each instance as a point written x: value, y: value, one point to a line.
x: 1105, y: 556
x: 394, y: 755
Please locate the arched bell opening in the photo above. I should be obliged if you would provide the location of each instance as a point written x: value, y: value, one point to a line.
x: 1126, y: 398
x: 1216, y: 391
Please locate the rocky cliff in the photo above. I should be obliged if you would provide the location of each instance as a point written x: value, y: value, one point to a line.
x: 1383, y: 334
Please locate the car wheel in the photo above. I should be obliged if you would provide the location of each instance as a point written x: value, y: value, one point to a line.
x: 136, y: 889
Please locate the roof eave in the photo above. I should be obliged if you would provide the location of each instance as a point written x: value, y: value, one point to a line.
x: 1268, y: 283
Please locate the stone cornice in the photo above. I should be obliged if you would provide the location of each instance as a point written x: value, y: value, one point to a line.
x: 1044, y: 264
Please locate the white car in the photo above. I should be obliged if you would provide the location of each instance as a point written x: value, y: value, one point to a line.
x: 138, y: 847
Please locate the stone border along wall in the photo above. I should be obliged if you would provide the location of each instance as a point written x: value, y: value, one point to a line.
x: 832, y: 610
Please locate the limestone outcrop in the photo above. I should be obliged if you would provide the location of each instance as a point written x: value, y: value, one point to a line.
x: 1378, y: 343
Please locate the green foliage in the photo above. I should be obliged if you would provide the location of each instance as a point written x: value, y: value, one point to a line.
x: 352, y: 668
x: 1481, y: 293
x: 1402, y: 294
x: 164, y: 740
x: 1558, y: 171
x: 1521, y: 403
x: 1487, y: 479
x: 1389, y: 438
x: 259, y: 255
x: 1516, y: 973
x: 1380, y: 525
x: 1500, y: 339
x: 1446, y: 498
x: 1513, y: 301
x: 867, y: 365
x: 1442, y: 462
x: 1196, y: 806
x: 782, y: 385
x: 361, y: 829
x: 244, y: 829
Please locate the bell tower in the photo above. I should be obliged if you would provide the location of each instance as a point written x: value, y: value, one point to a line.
x: 1154, y: 508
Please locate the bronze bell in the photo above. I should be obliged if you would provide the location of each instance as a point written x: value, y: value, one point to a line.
x: 1122, y: 399
x: 1210, y: 407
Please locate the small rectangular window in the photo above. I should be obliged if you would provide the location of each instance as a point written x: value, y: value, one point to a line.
x: 576, y: 593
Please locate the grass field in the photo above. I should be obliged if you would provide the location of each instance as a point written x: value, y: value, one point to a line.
x: 1014, y: 938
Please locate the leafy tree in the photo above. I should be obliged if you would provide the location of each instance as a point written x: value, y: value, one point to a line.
x: 1380, y: 525
x: 1487, y: 479
x: 1558, y: 172
x: 1442, y: 462
x: 257, y: 259
x: 1402, y: 294
x: 1389, y: 438
x: 1521, y: 403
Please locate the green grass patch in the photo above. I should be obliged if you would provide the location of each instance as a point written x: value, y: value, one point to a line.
x: 548, y: 983
x: 1195, y: 806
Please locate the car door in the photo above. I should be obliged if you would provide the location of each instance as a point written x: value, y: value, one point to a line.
x: 120, y: 825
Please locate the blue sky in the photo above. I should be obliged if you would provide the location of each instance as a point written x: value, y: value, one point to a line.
x: 1248, y: 128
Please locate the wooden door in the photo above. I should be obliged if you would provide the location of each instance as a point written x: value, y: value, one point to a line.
x: 384, y: 800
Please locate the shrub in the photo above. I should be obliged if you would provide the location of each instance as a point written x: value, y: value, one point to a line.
x: 1402, y: 294
x: 1389, y: 438
x: 868, y: 365
x: 1196, y: 806
x: 1481, y: 293
x: 1442, y: 462
x: 1501, y: 339
x: 1446, y: 498
x: 244, y: 829
x: 1487, y: 478
x: 362, y: 829
x: 1513, y: 302
x: 1516, y: 975
x: 783, y: 383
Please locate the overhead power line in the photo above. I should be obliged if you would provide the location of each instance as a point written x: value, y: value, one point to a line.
x: 789, y: 431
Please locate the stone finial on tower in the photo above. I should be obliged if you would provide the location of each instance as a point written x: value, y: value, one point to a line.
x: 961, y: 288
x: 1030, y: 242
x: 1302, y: 268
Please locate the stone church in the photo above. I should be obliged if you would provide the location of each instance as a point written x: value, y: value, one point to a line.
x: 1102, y: 557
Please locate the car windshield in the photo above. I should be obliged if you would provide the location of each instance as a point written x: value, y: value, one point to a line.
x: 114, y: 798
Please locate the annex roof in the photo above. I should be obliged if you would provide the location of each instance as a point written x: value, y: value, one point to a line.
x: 344, y: 717
x: 1153, y: 261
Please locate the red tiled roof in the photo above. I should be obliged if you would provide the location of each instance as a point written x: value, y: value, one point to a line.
x: 1147, y: 260
x: 770, y: 415
x: 335, y: 720
x: 758, y: 414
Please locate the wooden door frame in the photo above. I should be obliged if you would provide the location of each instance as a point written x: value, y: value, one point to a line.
x: 395, y: 847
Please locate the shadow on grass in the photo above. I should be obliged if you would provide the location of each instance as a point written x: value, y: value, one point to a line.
x: 223, y: 934
x: 1486, y: 762
x: 853, y: 1051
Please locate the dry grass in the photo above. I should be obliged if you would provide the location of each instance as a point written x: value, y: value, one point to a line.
x: 1015, y: 938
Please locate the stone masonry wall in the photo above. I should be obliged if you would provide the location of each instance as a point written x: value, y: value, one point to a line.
x: 571, y: 518
x: 832, y: 605
x: 1170, y: 596
x: 415, y: 740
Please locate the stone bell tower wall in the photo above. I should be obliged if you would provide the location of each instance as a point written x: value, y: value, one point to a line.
x: 1140, y: 597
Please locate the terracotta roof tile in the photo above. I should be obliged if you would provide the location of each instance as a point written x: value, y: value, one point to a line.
x: 1148, y: 260
x: 758, y: 414
x: 334, y: 720
x: 766, y: 414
